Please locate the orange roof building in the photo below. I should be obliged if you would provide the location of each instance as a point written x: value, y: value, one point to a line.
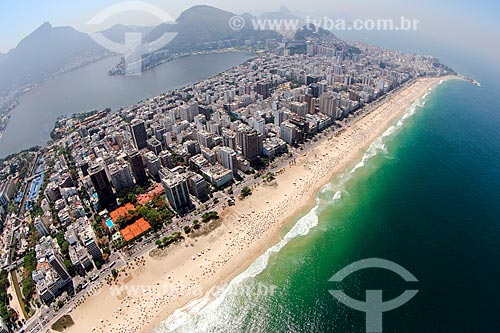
x: 136, y: 229
x: 143, y: 199
x: 121, y: 212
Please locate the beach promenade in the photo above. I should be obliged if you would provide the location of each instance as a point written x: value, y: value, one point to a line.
x: 153, y: 287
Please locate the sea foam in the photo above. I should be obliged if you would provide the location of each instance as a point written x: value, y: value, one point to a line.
x: 337, y: 195
x: 209, y: 313
x: 378, y: 145
x: 203, y: 315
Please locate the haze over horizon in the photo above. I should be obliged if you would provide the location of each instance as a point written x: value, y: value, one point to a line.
x: 176, y: 166
x: 457, y: 24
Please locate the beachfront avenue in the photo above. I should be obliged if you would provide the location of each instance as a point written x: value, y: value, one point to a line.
x: 142, y: 210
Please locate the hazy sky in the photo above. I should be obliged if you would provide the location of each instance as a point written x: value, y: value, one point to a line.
x: 472, y: 24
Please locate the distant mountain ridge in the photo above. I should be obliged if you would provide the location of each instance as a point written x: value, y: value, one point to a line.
x: 43, y: 53
x: 204, y: 24
x: 117, y: 32
x: 311, y: 30
x: 49, y: 50
x: 283, y: 13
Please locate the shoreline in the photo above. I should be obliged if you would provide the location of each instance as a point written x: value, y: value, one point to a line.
x: 45, y: 138
x: 180, y: 56
x: 20, y: 92
x: 150, y: 291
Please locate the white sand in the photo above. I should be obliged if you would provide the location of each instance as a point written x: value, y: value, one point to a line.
x: 165, y: 284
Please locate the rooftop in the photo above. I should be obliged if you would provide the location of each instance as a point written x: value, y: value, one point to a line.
x: 154, y: 193
x: 136, y: 229
x: 121, y: 211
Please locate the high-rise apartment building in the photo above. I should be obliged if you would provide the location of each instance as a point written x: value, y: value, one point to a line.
x: 139, y: 135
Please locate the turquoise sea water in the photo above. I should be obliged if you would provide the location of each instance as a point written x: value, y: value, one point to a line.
x: 426, y: 197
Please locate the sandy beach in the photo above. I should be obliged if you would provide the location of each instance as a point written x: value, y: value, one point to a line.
x: 152, y: 287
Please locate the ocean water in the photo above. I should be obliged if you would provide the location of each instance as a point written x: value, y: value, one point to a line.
x: 425, y: 195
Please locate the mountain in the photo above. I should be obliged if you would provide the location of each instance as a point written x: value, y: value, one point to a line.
x: 205, y: 24
x: 283, y: 14
x: 51, y: 50
x: 117, y: 32
x: 43, y: 53
x: 311, y: 30
x: 286, y: 20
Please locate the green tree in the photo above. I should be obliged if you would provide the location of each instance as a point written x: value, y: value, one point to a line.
x: 63, y: 244
x: 196, y: 224
x: 121, y: 221
x: 132, y: 198
x: 28, y: 288
x: 246, y: 191
x: 69, y: 266
x: 209, y: 216
x: 6, y: 313
x: 98, y: 264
